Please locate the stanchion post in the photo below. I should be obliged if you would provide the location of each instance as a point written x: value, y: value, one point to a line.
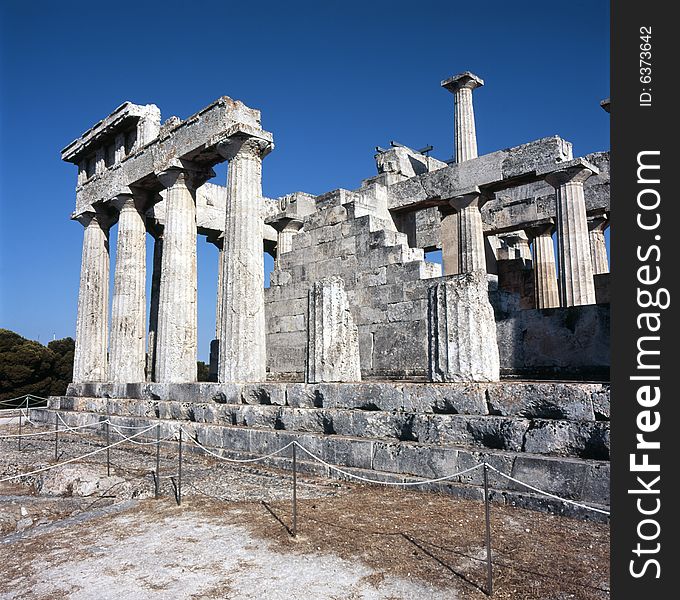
x: 21, y: 412
x: 294, y: 490
x: 56, y: 437
x: 487, y: 510
x: 108, y: 447
x: 158, y: 460
x: 179, y: 472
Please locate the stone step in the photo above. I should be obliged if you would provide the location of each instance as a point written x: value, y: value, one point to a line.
x: 574, y: 479
x: 581, y: 439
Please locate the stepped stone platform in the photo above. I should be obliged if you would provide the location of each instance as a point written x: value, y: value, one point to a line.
x: 554, y: 436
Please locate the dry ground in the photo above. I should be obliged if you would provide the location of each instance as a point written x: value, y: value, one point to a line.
x: 231, y: 539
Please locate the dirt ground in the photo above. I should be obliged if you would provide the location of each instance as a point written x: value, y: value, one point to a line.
x: 231, y: 538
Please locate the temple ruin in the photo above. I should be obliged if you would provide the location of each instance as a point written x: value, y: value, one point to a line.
x: 361, y: 348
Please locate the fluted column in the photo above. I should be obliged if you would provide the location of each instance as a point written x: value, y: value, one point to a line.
x: 471, y: 256
x: 242, y: 355
x: 177, y: 338
x: 153, y: 306
x: 449, y: 239
x: 90, y: 357
x: 128, y: 333
x: 598, y: 245
x: 465, y: 135
x: 545, y: 272
x: 577, y: 286
x: 287, y: 229
x: 215, y: 343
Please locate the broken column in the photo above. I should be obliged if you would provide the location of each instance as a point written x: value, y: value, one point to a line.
x: 545, y: 271
x: 577, y: 286
x: 90, y: 360
x: 242, y: 354
x: 333, y: 338
x: 128, y: 334
x: 465, y: 136
x: 598, y: 246
x: 176, y: 339
x: 462, y: 330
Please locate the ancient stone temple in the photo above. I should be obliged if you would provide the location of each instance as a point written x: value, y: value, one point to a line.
x: 362, y: 349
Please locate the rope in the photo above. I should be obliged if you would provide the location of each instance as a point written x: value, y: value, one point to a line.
x: 151, y: 443
x: 51, y: 432
x: 66, y: 462
x: 535, y: 489
x: 235, y: 460
x: 365, y: 479
x: 26, y: 397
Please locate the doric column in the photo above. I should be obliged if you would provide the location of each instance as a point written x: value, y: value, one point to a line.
x: 242, y: 339
x: 545, y: 271
x: 177, y: 338
x: 89, y: 361
x: 465, y: 136
x: 598, y: 246
x: 153, y: 305
x: 471, y: 255
x: 287, y: 229
x: 449, y: 238
x: 575, y: 265
x: 215, y: 343
x: 128, y: 334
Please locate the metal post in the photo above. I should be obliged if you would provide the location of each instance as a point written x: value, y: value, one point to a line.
x: 294, y: 491
x: 56, y: 437
x: 108, y: 449
x: 158, y: 460
x: 487, y: 510
x: 20, y: 414
x: 179, y: 472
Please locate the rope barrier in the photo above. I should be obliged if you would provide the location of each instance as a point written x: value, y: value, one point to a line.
x: 535, y: 489
x: 25, y: 397
x: 51, y: 432
x: 66, y: 462
x: 236, y: 460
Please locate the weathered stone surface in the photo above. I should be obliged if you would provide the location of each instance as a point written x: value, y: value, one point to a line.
x: 542, y: 401
x: 568, y: 438
x: 462, y: 330
x: 333, y: 350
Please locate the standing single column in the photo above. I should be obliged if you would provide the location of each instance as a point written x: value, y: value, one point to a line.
x: 598, y: 245
x: 128, y: 334
x: 177, y: 343
x: 465, y: 135
x: 545, y: 271
x: 577, y: 286
x: 471, y: 256
x: 153, y: 305
x: 90, y: 361
x: 242, y: 355
x: 287, y: 229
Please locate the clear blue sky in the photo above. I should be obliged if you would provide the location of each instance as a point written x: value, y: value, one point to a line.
x: 332, y: 79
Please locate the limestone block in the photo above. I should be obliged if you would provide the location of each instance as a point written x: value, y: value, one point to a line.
x: 462, y: 330
x: 466, y: 399
x: 400, y: 349
x: 333, y: 338
x: 561, y: 476
x: 543, y: 401
x: 569, y: 438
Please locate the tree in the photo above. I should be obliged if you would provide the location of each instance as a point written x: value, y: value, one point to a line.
x: 28, y: 367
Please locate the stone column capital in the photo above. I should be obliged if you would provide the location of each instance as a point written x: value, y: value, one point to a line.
x: 104, y: 220
x: 249, y: 147
x: 288, y: 224
x: 575, y: 171
x: 598, y: 222
x: 190, y: 178
x: 538, y: 229
x: 462, y: 80
x: 472, y: 197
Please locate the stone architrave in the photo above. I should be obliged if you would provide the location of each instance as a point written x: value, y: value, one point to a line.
x: 242, y: 353
x: 176, y: 340
x: 462, y: 330
x: 128, y: 333
x: 465, y: 135
x: 577, y: 286
x: 90, y: 357
x: 545, y: 271
x: 333, y: 337
x: 471, y: 254
x: 598, y: 245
